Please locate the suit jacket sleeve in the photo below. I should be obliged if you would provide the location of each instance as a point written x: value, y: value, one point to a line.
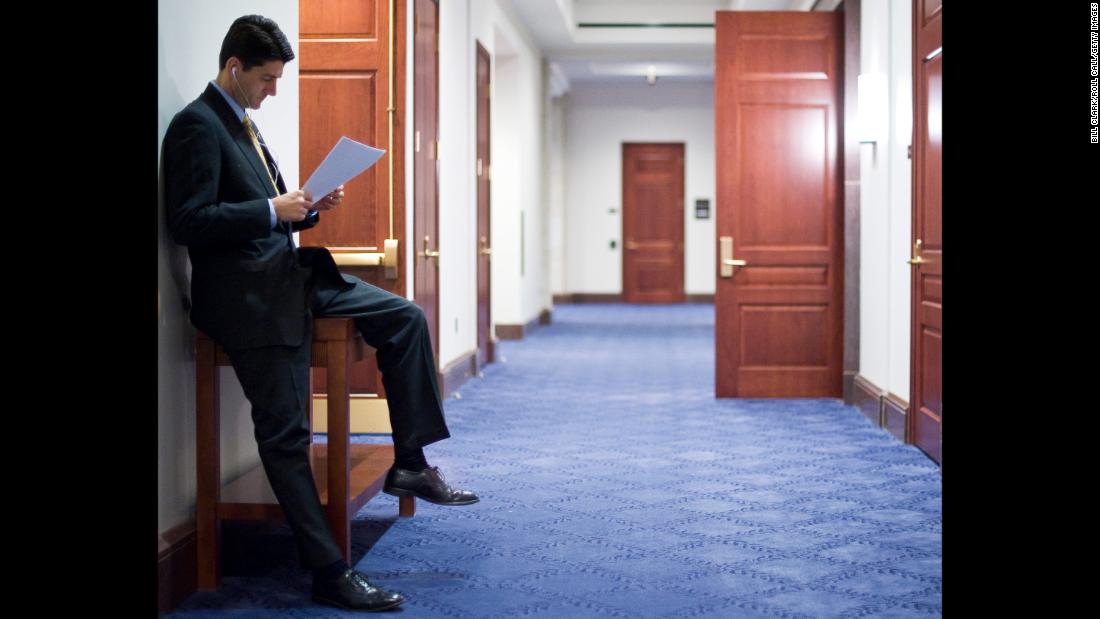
x: 193, y: 170
x: 306, y: 223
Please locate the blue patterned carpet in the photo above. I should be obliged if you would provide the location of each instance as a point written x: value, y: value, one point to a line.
x: 614, y: 484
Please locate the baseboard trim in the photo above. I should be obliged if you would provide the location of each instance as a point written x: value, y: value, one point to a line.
x: 457, y: 373
x: 886, y: 410
x: 588, y: 297
x: 518, y: 332
x: 867, y: 398
x: 177, y: 566
x: 599, y: 297
x: 894, y: 415
x: 509, y: 332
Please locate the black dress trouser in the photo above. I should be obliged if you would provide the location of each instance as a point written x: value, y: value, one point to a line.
x: 275, y: 380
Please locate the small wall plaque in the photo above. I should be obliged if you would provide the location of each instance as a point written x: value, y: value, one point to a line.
x: 702, y: 209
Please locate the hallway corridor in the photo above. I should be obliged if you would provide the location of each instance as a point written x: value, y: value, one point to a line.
x: 614, y: 484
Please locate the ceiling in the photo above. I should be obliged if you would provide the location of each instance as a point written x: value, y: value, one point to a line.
x: 623, y: 40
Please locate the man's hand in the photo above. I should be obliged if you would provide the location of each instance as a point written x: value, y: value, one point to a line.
x: 292, y: 205
x: 330, y: 201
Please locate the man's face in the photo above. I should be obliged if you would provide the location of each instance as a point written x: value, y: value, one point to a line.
x: 257, y: 83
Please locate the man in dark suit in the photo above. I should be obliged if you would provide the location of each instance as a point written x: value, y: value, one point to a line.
x: 256, y: 294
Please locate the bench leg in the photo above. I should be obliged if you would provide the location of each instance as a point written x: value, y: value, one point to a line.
x: 406, y: 506
x: 337, y: 372
x: 207, y: 457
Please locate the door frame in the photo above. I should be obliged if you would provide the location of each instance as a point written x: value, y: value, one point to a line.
x: 488, y: 355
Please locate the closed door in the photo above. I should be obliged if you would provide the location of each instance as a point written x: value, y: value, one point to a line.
x: 425, y: 164
x: 653, y: 223
x: 926, y: 387
x: 484, y: 244
x: 344, y: 89
x: 778, y: 304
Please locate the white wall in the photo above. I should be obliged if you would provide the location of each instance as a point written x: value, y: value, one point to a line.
x: 516, y: 172
x: 189, y: 37
x: 520, y: 273
x: 555, y: 191
x: 457, y: 190
x: 599, y: 118
x: 885, y: 212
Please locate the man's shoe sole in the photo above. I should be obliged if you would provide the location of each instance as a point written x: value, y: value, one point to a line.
x: 404, y: 492
x: 323, y: 600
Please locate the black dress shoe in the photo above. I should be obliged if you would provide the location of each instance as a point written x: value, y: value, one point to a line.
x: 428, y: 485
x: 352, y: 591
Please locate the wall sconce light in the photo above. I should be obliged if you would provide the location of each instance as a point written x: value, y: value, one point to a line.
x: 872, y: 108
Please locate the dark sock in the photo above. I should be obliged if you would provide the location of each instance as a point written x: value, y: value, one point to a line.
x: 409, y: 459
x: 330, y: 572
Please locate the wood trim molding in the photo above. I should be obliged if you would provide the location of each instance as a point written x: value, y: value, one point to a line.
x: 600, y: 297
x: 457, y: 373
x: 509, y: 332
x: 894, y: 413
x: 884, y: 409
x: 868, y: 399
x: 518, y: 332
x: 849, y: 386
x: 177, y: 566
x: 588, y: 297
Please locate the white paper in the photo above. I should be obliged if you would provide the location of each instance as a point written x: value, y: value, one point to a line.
x: 344, y: 162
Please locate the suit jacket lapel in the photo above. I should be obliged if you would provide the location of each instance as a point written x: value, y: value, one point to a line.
x: 235, y: 127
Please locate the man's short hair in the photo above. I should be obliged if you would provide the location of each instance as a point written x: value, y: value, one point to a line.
x: 254, y: 40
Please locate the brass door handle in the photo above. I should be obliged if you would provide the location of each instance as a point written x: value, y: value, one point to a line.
x: 631, y: 245
x: 917, y: 258
x: 734, y: 263
x: 428, y: 252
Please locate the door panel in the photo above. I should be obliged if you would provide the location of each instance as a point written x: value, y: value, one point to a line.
x: 653, y: 223
x: 778, y: 316
x: 926, y: 388
x: 425, y: 164
x: 344, y: 75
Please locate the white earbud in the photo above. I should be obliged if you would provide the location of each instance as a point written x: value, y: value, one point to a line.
x: 234, y: 71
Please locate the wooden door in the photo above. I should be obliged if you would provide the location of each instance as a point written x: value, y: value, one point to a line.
x: 926, y: 385
x: 344, y: 89
x: 425, y: 163
x: 653, y: 223
x: 778, y: 316
x: 484, y: 251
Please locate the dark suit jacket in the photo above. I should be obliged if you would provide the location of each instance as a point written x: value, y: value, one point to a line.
x: 249, y: 284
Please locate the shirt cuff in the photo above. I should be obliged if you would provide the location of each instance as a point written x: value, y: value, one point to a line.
x: 271, y: 205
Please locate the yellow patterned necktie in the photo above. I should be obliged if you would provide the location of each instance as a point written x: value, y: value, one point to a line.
x: 251, y: 129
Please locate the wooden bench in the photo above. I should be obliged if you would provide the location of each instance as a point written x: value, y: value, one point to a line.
x: 347, y: 475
